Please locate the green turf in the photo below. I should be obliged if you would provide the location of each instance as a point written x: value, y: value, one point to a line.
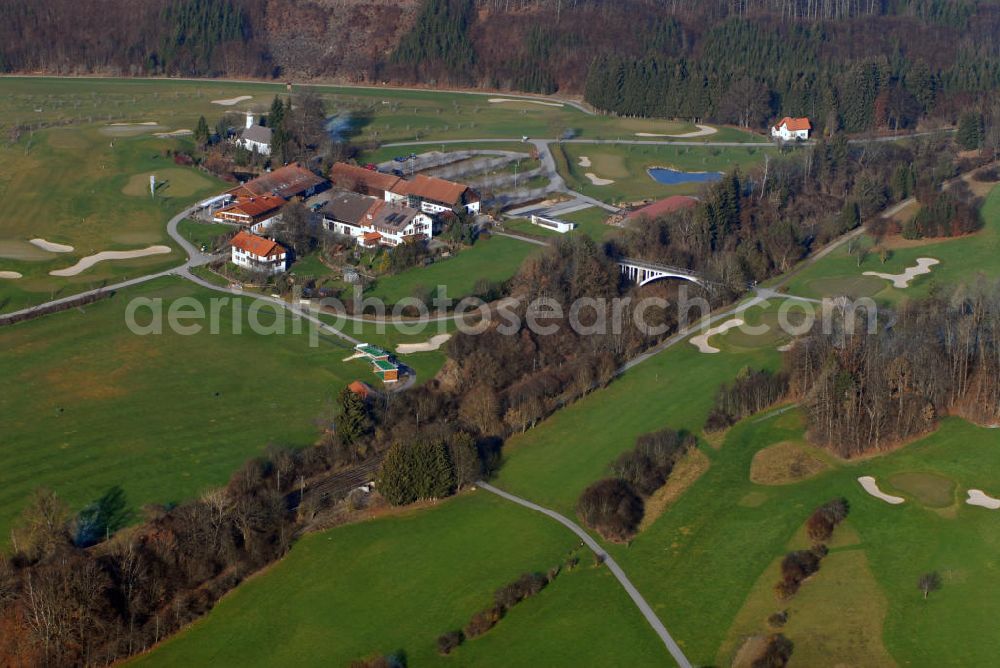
x: 496, y: 259
x: 203, y: 234
x: 963, y: 259
x: 165, y: 416
x: 626, y: 165
x: 398, y: 582
x: 84, y: 193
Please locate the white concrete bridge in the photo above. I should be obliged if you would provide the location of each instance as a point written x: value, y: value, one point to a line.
x: 643, y: 272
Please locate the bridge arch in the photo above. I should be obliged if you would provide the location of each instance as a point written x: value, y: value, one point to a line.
x: 643, y: 273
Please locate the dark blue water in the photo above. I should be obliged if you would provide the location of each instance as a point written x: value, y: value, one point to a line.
x: 672, y: 177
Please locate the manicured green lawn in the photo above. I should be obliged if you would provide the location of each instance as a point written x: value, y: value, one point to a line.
x: 203, y: 234
x: 164, y: 416
x: 626, y: 165
x: 553, y: 463
x: 495, y: 259
x: 962, y: 259
x: 79, y: 187
x: 396, y: 583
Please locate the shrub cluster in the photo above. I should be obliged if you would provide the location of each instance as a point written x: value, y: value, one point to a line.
x: 504, y: 598
x: 776, y: 654
x: 614, y: 506
x: 750, y: 393
x: 825, y: 519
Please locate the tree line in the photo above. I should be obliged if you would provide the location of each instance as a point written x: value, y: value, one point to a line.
x: 741, y: 62
x: 864, y: 392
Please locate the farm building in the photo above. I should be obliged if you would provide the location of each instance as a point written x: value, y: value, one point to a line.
x: 429, y: 194
x: 373, y: 221
x: 286, y: 182
x: 789, y: 128
x: 258, y: 254
x: 255, y: 213
x: 363, y: 181
x: 433, y: 195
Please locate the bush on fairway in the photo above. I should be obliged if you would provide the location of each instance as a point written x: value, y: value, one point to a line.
x: 611, y: 508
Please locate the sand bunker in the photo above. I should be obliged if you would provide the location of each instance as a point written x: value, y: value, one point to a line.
x: 51, y: 246
x: 584, y: 161
x: 228, y: 102
x: 871, y: 487
x: 978, y: 497
x: 922, y: 267
x: 497, y: 100
x: 432, y: 343
x: 9, y: 274
x: 785, y: 348
x: 702, y: 131
x: 91, y: 260
x: 174, y: 133
x: 701, y: 341
x: 597, y: 180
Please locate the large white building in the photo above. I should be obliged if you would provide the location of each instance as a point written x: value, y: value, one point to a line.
x: 258, y: 254
x: 255, y: 137
x: 372, y: 221
x: 789, y: 128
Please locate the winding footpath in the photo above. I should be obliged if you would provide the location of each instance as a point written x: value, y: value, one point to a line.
x: 608, y: 560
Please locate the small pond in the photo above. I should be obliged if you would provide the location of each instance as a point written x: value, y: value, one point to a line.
x: 672, y: 177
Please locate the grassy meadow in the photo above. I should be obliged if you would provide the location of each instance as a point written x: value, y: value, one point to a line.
x: 626, y: 165
x: 962, y: 259
x: 396, y: 583
x: 164, y: 416
x: 496, y: 259
x: 79, y: 187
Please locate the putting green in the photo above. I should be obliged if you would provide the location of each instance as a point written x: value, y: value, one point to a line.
x: 173, y: 181
x: 929, y: 489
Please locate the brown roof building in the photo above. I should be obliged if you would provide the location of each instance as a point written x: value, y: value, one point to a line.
x: 250, y: 211
x: 289, y: 181
x: 364, y: 181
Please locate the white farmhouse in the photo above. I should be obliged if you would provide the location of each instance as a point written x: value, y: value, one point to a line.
x: 258, y: 254
x: 789, y: 128
x: 255, y: 137
x: 371, y: 221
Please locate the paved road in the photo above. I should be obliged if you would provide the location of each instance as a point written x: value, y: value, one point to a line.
x: 640, y: 602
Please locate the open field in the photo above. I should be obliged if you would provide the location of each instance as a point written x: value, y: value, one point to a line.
x: 962, y: 259
x: 420, y: 574
x: 203, y: 234
x: 626, y: 166
x: 495, y: 259
x: 380, y: 114
x: 164, y: 416
x: 76, y: 187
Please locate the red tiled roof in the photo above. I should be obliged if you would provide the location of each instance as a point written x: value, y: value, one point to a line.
x: 360, y: 388
x: 258, y: 246
x: 794, y: 124
x: 372, y: 236
x: 351, y: 177
x: 255, y: 206
x: 434, y: 189
x: 663, y: 207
